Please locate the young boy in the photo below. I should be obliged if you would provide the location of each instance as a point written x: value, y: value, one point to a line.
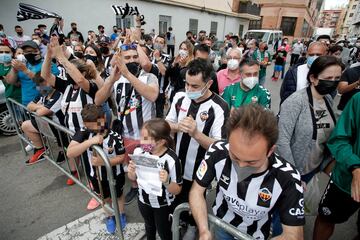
x: 113, y: 145
x: 279, y: 62
x: 46, y: 104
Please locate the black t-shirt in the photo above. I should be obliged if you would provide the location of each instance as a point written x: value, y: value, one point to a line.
x: 350, y: 76
x: 279, y: 60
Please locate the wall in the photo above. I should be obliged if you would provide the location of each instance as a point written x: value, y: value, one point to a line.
x: 88, y: 14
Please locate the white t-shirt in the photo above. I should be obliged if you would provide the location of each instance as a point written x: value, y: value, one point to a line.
x: 302, y: 73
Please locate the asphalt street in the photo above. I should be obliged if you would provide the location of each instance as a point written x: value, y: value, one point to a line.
x: 35, y: 199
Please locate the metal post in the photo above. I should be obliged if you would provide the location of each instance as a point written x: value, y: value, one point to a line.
x: 112, y: 183
x: 9, y: 104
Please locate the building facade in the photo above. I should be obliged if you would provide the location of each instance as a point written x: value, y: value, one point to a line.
x: 218, y: 17
x: 350, y: 16
x: 296, y: 18
x: 355, y: 28
x: 332, y: 18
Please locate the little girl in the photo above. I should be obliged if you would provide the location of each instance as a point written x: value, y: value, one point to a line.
x: 156, y: 141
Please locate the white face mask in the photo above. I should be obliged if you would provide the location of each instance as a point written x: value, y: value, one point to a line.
x: 74, y: 43
x: 250, y: 82
x: 37, y: 42
x: 183, y: 53
x: 233, y: 64
x: 21, y: 58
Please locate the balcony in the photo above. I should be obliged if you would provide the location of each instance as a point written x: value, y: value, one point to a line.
x: 249, y: 8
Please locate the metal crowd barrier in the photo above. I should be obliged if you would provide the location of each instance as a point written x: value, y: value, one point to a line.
x: 213, y: 221
x: 19, y: 113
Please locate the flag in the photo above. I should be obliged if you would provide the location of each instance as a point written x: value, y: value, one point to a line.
x: 127, y: 11
x: 27, y: 11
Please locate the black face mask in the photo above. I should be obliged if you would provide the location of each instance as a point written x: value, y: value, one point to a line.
x: 92, y: 58
x: 104, y: 50
x: 229, y: 45
x: 189, y: 37
x: 326, y: 87
x: 266, y: 48
x: 20, y: 33
x: 115, y: 31
x: 79, y: 55
x: 74, y: 29
x: 134, y: 68
x: 102, y: 31
x: 70, y: 80
x: 33, y: 58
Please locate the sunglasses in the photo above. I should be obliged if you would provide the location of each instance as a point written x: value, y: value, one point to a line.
x: 126, y: 47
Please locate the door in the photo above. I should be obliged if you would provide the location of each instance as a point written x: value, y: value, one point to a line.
x: 164, y: 23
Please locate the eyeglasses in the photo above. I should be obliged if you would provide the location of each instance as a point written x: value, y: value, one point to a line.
x: 126, y: 47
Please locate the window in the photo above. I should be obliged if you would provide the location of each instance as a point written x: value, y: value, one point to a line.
x: 351, y: 14
x: 193, y: 25
x: 354, y: 6
x: 305, y: 29
x: 309, y: 4
x: 255, y: 24
x: 241, y: 30
x: 126, y: 22
x: 213, y: 28
x: 164, y: 24
x: 288, y: 25
x: 271, y: 38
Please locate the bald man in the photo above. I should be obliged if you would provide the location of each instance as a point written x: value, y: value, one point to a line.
x: 296, y: 77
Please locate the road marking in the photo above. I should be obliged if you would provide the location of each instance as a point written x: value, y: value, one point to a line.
x: 92, y: 226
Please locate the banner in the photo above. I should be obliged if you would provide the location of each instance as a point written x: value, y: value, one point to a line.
x: 27, y: 11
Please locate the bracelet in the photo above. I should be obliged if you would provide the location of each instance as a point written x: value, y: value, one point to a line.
x: 138, y: 26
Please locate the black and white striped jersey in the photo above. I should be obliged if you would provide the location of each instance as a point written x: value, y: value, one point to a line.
x: 210, y: 116
x: 138, y: 109
x: 113, y: 145
x: 248, y: 205
x: 53, y: 103
x: 73, y: 101
x: 175, y: 175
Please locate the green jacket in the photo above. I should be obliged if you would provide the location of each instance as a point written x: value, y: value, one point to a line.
x: 235, y: 96
x: 344, y: 144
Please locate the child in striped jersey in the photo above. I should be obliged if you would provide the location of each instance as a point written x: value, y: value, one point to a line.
x: 95, y: 133
x: 156, y: 140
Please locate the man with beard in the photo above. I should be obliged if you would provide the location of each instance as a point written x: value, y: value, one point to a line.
x: 162, y: 62
x: 135, y: 92
x: 26, y: 72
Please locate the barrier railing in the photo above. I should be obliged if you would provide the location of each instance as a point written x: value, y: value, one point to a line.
x: 19, y: 113
x: 213, y: 221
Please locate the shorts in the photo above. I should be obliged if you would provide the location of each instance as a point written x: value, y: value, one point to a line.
x: 63, y: 136
x: 119, y: 185
x: 336, y: 206
x: 278, y: 68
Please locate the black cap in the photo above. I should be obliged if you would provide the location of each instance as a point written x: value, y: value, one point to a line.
x: 30, y: 43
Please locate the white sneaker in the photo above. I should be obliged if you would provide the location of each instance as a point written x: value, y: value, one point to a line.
x: 28, y: 148
x: 190, y: 233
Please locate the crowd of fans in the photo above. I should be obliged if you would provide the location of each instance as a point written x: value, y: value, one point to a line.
x: 205, y: 113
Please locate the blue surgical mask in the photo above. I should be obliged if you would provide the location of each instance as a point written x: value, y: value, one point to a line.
x: 5, y: 57
x: 197, y: 94
x: 310, y: 60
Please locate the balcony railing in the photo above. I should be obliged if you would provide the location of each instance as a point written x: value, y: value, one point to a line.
x: 250, y: 8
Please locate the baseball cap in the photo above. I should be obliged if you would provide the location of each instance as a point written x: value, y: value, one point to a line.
x: 30, y: 43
